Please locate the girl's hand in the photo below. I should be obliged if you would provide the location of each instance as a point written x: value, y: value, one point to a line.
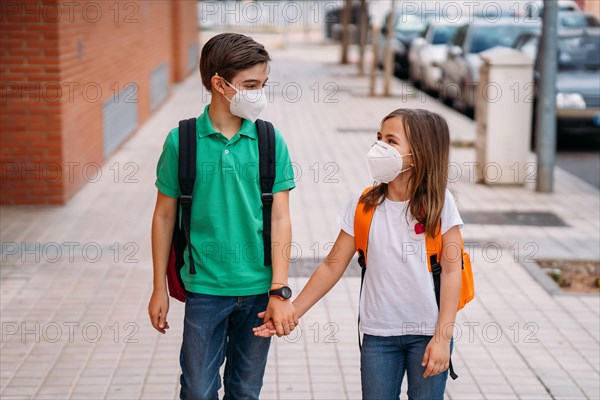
x: 437, y: 357
x: 266, y: 330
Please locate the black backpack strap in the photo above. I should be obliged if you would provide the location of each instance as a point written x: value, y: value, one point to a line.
x: 436, y: 271
x: 187, y: 177
x: 266, y: 167
x: 363, y: 270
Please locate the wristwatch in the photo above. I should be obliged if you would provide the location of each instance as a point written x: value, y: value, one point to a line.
x: 284, y: 292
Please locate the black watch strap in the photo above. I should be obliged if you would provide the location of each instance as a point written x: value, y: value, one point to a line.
x: 284, y: 292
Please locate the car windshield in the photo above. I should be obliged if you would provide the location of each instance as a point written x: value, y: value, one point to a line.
x: 443, y: 34
x: 485, y: 37
x: 581, y: 52
x: 572, y: 20
x: 410, y: 23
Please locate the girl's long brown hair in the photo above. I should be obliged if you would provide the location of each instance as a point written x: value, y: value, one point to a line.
x: 429, y: 140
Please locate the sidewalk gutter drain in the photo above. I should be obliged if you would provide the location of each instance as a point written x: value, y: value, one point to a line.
x: 303, y: 267
x: 353, y: 91
x: 520, y: 218
x: 356, y: 130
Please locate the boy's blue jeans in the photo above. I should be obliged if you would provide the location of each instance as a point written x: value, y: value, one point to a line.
x: 216, y: 328
x: 384, y: 361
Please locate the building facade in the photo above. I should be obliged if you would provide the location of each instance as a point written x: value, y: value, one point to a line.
x: 77, y: 79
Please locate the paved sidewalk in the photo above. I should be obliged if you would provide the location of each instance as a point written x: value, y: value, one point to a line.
x: 73, y: 310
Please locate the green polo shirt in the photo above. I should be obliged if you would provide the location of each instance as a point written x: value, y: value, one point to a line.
x: 227, y: 223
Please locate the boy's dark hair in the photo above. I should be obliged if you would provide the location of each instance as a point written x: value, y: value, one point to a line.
x: 229, y: 53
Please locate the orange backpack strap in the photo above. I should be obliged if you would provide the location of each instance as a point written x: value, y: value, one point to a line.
x: 433, y: 246
x: 362, y: 226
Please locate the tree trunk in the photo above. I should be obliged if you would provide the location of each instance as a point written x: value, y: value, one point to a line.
x: 389, y: 52
x: 364, y: 29
x: 346, y: 30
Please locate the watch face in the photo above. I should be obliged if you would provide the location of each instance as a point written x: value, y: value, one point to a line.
x: 286, y: 292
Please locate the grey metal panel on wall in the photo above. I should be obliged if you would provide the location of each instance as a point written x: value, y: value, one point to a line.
x: 119, y: 117
x: 192, y: 56
x: 159, y: 85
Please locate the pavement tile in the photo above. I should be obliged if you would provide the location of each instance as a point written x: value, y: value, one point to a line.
x: 88, y: 391
x: 269, y: 395
x: 93, y: 380
x: 19, y: 391
x: 293, y: 395
x: 54, y: 390
x: 465, y: 396
x: 540, y: 396
x: 558, y: 389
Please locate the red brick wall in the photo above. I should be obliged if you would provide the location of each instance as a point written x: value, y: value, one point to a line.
x: 89, y: 51
x: 183, y: 34
x: 30, y: 102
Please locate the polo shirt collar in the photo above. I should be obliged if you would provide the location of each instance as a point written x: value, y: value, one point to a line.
x: 204, y: 126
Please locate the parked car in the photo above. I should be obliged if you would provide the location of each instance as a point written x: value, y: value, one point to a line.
x: 570, y: 15
x: 577, y: 80
x: 592, y: 20
x: 406, y: 28
x: 460, y: 71
x: 572, y: 20
x: 536, y: 8
x: 428, y: 51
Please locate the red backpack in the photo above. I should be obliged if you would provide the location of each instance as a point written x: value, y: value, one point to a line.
x: 187, y: 178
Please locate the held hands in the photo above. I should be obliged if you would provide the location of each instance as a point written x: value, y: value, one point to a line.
x: 158, y: 309
x: 266, y: 330
x: 437, y: 357
x: 279, y: 319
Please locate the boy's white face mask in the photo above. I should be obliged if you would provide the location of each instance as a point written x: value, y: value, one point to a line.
x: 385, y: 162
x: 247, y: 104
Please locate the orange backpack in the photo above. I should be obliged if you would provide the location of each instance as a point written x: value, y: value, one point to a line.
x: 434, y: 247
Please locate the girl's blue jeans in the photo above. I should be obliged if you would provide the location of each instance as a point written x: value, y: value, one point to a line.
x: 384, y: 360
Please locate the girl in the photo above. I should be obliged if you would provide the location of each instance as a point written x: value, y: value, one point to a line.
x: 403, y: 329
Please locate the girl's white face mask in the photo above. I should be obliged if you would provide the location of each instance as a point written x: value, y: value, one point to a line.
x: 247, y: 104
x: 385, y: 162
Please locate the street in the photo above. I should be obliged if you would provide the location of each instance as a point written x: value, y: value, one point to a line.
x: 581, y: 157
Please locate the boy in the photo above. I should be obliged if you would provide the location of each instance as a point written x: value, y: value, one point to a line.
x: 231, y: 285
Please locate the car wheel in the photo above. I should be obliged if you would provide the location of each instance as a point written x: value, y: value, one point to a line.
x: 460, y: 103
x: 403, y: 72
x: 425, y: 83
x: 417, y: 82
x: 443, y: 93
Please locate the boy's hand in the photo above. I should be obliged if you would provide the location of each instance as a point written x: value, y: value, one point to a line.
x: 158, y: 309
x: 282, y: 314
x: 437, y: 357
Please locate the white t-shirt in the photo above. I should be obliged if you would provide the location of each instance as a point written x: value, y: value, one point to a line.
x: 398, y: 296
